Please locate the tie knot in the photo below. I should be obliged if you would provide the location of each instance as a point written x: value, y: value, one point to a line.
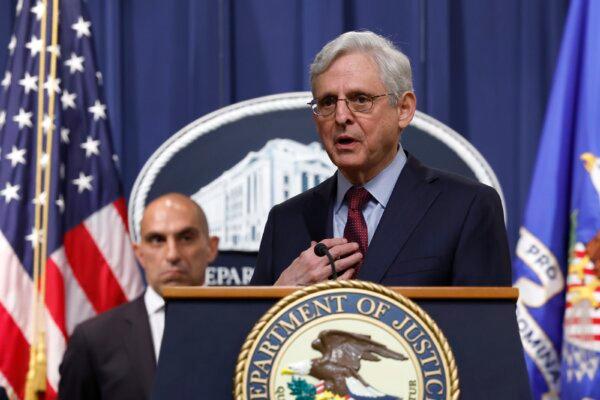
x: 357, y: 197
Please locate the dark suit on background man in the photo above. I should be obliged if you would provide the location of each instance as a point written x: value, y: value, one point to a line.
x: 113, y: 355
x: 110, y: 356
x: 438, y: 229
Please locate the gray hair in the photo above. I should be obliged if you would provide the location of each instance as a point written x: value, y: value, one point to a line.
x: 394, y: 66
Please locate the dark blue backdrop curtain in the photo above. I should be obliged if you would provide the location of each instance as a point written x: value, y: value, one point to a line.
x: 482, y: 67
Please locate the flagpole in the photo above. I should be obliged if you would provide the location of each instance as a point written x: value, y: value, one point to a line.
x: 36, y: 375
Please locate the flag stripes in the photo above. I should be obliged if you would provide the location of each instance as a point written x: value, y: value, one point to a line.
x: 71, y: 299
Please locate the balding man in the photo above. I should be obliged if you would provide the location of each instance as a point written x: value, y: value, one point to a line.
x: 114, y: 355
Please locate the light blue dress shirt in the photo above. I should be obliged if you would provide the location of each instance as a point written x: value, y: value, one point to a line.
x: 380, y: 187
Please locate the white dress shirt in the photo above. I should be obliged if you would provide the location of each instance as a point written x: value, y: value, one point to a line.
x: 155, y: 305
x: 380, y: 188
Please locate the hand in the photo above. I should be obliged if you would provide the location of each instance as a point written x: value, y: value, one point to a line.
x: 308, y: 268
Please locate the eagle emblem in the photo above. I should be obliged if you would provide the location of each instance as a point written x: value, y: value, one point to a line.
x: 346, y: 340
x: 338, y: 367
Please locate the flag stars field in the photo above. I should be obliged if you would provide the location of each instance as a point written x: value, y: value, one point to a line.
x: 82, y: 28
x: 10, y: 192
x: 75, y: 63
x: 35, y: 237
x: 60, y: 203
x: 64, y: 135
x: 6, y: 80
x: 39, y: 10
x: 54, y: 49
x: 16, y: 156
x: 34, y: 45
x: 68, y: 100
x: 29, y: 83
x: 41, y: 199
x: 23, y: 118
x: 44, y: 160
x: 52, y: 84
x: 83, y: 182
x: 98, y: 110
x: 91, y: 147
x: 47, y: 123
x: 12, y: 45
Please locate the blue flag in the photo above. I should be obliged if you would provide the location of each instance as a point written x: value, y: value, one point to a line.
x: 558, y: 253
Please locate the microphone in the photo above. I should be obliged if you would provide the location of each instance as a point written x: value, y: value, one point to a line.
x: 322, y: 250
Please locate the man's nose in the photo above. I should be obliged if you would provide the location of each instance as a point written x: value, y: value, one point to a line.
x: 343, y: 115
x: 173, y: 254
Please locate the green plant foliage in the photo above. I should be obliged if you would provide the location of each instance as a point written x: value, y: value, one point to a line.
x: 302, y: 389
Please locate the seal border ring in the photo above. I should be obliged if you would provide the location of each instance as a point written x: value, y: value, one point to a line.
x: 453, y: 390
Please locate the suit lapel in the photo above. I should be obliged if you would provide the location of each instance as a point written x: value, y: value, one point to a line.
x: 138, y: 342
x: 317, y: 210
x: 411, y: 198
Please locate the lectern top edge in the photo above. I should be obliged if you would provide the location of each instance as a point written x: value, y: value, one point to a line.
x: 269, y: 292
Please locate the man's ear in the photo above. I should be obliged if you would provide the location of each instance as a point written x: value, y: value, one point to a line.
x: 407, y: 105
x: 213, y: 243
x: 138, y: 253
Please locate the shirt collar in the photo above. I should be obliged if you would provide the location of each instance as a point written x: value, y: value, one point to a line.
x: 154, y: 302
x: 380, y: 187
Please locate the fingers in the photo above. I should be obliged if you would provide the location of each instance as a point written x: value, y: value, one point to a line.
x: 343, y: 250
x: 309, y: 268
x: 348, y: 262
x: 331, y: 242
x: 346, y: 275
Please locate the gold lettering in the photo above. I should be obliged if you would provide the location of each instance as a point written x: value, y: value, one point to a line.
x: 255, y: 377
x: 263, y: 365
x: 421, y: 346
x: 338, y: 300
x: 256, y: 393
x: 320, y: 306
x: 370, y: 305
x: 305, y: 313
x: 434, y: 382
x: 433, y: 357
x: 273, y: 332
x: 290, y: 327
x: 410, y: 329
x: 268, y: 348
x: 399, y: 325
x: 381, y: 309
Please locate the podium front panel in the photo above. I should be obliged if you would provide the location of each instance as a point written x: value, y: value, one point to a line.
x: 203, y: 337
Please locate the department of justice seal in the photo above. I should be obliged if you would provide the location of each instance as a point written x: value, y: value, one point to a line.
x: 346, y: 340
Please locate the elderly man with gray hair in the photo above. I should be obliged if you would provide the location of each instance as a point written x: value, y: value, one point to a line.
x: 384, y: 216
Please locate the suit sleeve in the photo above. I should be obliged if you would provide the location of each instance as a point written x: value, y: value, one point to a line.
x: 263, y: 272
x: 77, y: 375
x: 482, y: 256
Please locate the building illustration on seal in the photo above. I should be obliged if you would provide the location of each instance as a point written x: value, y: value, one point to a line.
x: 238, y: 202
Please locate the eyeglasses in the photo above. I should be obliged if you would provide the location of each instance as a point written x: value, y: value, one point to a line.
x: 360, y: 103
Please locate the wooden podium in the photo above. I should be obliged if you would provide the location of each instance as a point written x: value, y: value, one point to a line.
x: 206, y: 327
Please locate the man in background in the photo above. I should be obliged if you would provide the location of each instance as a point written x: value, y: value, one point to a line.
x: 114, y: 355
x: 384, y: 216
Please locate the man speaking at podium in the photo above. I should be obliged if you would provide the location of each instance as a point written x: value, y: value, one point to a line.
x: 384, y: 216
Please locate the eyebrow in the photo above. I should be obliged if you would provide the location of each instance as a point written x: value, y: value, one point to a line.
x: 184, y: 231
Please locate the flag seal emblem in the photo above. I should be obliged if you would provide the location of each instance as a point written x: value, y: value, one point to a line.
x: 346, y: 340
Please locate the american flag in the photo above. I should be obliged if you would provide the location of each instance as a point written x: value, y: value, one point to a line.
x: 90, y: 264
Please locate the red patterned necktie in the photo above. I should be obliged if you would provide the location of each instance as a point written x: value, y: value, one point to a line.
x: 356, y: 227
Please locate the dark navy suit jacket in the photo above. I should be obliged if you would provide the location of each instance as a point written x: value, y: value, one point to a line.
x: 438, y: 229
x: 110, y: 356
